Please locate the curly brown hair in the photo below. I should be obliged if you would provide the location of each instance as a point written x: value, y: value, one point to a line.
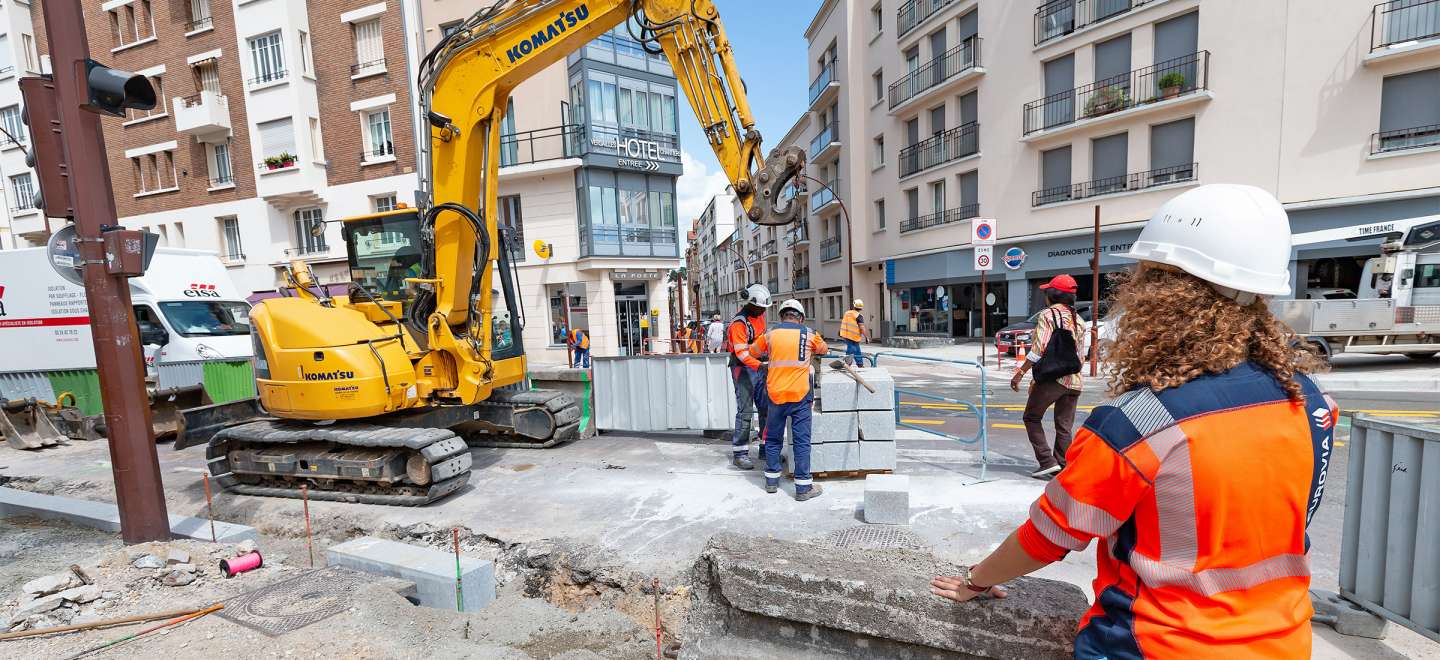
x: 1175, y: 327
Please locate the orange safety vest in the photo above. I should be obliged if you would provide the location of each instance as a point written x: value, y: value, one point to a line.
x: 850, y: 326
x: 1199, y: 496
x: 790, y: 346
x: 580, y: 340
x: 741, y: 331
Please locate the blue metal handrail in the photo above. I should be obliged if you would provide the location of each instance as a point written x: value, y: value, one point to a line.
x: 982, y: 437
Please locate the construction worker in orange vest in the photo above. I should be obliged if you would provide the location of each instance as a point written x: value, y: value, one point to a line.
x: 1200, y: 478
x: 746, y: 371
x: 682, y: 339
x: 790, y: 347
x: 580, y: 342
x: 852, y: 329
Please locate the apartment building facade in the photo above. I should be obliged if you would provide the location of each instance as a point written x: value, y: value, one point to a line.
x: 273, y: 120
x: 704, y: 263
x: 22, y: 224
x: 590, y: 152
x: 925, y: 114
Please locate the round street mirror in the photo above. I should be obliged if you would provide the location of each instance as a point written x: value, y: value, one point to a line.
x: 63, y: 251
x: 990, y: 299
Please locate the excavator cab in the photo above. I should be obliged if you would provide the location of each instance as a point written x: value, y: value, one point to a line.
x: 384, y: 250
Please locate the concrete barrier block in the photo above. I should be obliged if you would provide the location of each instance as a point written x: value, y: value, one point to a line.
x: 432, y: 571
x: 839, y: 392
x: 825, y: 457
x: 877, y: 455
x: 106, y: 517
x: 887, y: 499
x: 877, y: 425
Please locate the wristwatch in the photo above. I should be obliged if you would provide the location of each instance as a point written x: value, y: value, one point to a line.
x: 970, y: 585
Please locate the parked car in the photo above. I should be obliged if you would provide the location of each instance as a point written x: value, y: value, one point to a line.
x: 1009, y: 339
x: 1329, y: 294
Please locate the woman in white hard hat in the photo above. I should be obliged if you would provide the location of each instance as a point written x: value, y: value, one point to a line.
x: 1200, y: 477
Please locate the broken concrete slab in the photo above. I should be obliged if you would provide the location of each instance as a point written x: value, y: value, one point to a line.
x: 887, y: 499
x: 432, y: 571
x: 1346, y: 617
x: 839, y: 392
x: 148, y: 561
x: 873, y: 604
x: 49, y: 584
x: 104, y: 516
x: 81, y: 594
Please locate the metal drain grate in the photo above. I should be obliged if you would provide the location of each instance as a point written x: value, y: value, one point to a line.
x: 879, y: 537
x: 295, y: 603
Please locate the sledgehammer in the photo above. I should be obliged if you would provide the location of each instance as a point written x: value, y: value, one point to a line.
x: 844, y: 365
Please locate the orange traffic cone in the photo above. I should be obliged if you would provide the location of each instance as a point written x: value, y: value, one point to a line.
x: 1019, y: 355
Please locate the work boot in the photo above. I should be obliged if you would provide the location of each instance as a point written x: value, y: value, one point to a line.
x: 772, y: 485
x: 1044, y: 473
x: 807, y: 494
x: 742, y: 461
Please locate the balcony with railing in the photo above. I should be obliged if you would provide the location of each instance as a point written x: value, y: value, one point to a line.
x: 958, y: 63
x: 1405, y: 139
x: 773, y: 284
x: 309, y: 251
x: 370, y: 68
x: 825, y: 85
x: 826, y: 143
x: 798, y: 235
x: 915, y: 12
x: 621, y: 241
x: 800, y: 281
x: 1403, y: 27
x: 1132, y: 182
x: 938, y: 218
x: 199, y: 24
x: 824, y: 199
x: 1124, y: 95
x: 205, y: 116
x: 830, y: 249
x: 1063, y: 17
x: 770, y: 250
x: 954, y: 144
x: 540, y: 145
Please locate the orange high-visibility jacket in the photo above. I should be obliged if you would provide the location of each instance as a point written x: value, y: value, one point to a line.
x: 743, y: 330
x: 850, y: 325
x: 790, y: 347
x: 579, y: 339
x: 1200, y: 496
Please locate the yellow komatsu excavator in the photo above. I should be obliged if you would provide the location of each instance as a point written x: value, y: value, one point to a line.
x: 375, y: 396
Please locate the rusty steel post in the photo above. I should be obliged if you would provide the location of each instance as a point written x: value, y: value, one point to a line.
x: 139, y: 491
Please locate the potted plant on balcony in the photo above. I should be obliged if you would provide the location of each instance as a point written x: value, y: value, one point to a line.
x: 285, y: 159
x: 1170, y: 84
x: 1106, y: 101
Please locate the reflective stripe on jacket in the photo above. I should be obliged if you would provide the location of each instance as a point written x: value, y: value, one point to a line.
x: 743, y: 330
x: 850, y: 325
x: 790, y: 347
x: 1200, y: 496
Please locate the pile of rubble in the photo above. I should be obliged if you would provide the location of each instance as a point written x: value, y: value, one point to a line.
x: 83, y: 594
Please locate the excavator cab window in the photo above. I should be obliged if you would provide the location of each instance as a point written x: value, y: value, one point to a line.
x: 384, y: 250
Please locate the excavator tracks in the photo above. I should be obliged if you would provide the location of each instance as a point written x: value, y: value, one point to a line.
x: 343, y: 462
x: 533, y: 419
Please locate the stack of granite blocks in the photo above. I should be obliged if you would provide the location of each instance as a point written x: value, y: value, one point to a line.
x: 851, y: 428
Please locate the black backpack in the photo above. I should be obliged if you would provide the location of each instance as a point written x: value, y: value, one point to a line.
x: 1061, y: 358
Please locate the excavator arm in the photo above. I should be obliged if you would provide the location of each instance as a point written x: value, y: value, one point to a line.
x: 465, y: 83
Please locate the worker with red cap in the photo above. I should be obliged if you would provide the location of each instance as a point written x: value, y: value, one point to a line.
x: 1056, y: 381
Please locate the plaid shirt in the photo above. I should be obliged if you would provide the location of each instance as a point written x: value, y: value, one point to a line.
x: 1045, y: 325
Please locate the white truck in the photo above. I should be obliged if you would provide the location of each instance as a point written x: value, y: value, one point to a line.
x: 192, y: 320
x: 1395, y: 309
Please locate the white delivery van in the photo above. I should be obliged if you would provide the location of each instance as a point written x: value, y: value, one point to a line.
x: 187, y: 310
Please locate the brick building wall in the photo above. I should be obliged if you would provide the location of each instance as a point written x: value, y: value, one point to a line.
x: 170, y: 47
x: 339, y: 87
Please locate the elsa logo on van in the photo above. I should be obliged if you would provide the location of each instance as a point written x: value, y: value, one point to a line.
x: 198, y: 290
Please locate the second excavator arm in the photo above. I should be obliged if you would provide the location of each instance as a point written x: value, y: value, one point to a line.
x: 465, y: 83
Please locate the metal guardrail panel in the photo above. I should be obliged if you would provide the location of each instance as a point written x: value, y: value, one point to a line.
x: 180, y: 374
x: 663, y: 393
x: 1392, y: 522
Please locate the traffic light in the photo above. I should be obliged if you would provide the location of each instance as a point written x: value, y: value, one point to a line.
x: 111, y: 91
x: 47, y: 153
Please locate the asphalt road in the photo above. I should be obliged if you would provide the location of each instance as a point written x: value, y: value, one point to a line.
x: 1010, y: 456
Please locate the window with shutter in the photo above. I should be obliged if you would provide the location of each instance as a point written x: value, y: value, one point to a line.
x: 369, y: 50
x: 277, y: 137
x: 15, y: 130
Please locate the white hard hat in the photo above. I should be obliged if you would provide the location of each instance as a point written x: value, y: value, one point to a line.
x: 757, y: 295
x: 1235, y: 237
x: 859, y: 304
x: 792, y: 305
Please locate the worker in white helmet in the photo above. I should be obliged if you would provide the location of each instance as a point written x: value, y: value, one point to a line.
x: 789, y: 346
x: 852, y: 329
x: 746, y: 371
x: 1200, y: 478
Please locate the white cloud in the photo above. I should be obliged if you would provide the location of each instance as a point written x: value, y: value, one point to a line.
x: 695, y: 187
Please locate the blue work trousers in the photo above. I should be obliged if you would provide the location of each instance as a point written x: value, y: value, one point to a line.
x: 582, y: 358
x: 798, y: 413
x: 852, y: 348
x: 749, y: 399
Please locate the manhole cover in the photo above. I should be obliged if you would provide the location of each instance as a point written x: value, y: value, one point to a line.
x: 295, y: 603
x: 878, y: 537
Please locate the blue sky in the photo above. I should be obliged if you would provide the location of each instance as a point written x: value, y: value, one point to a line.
x: 769, y: 41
